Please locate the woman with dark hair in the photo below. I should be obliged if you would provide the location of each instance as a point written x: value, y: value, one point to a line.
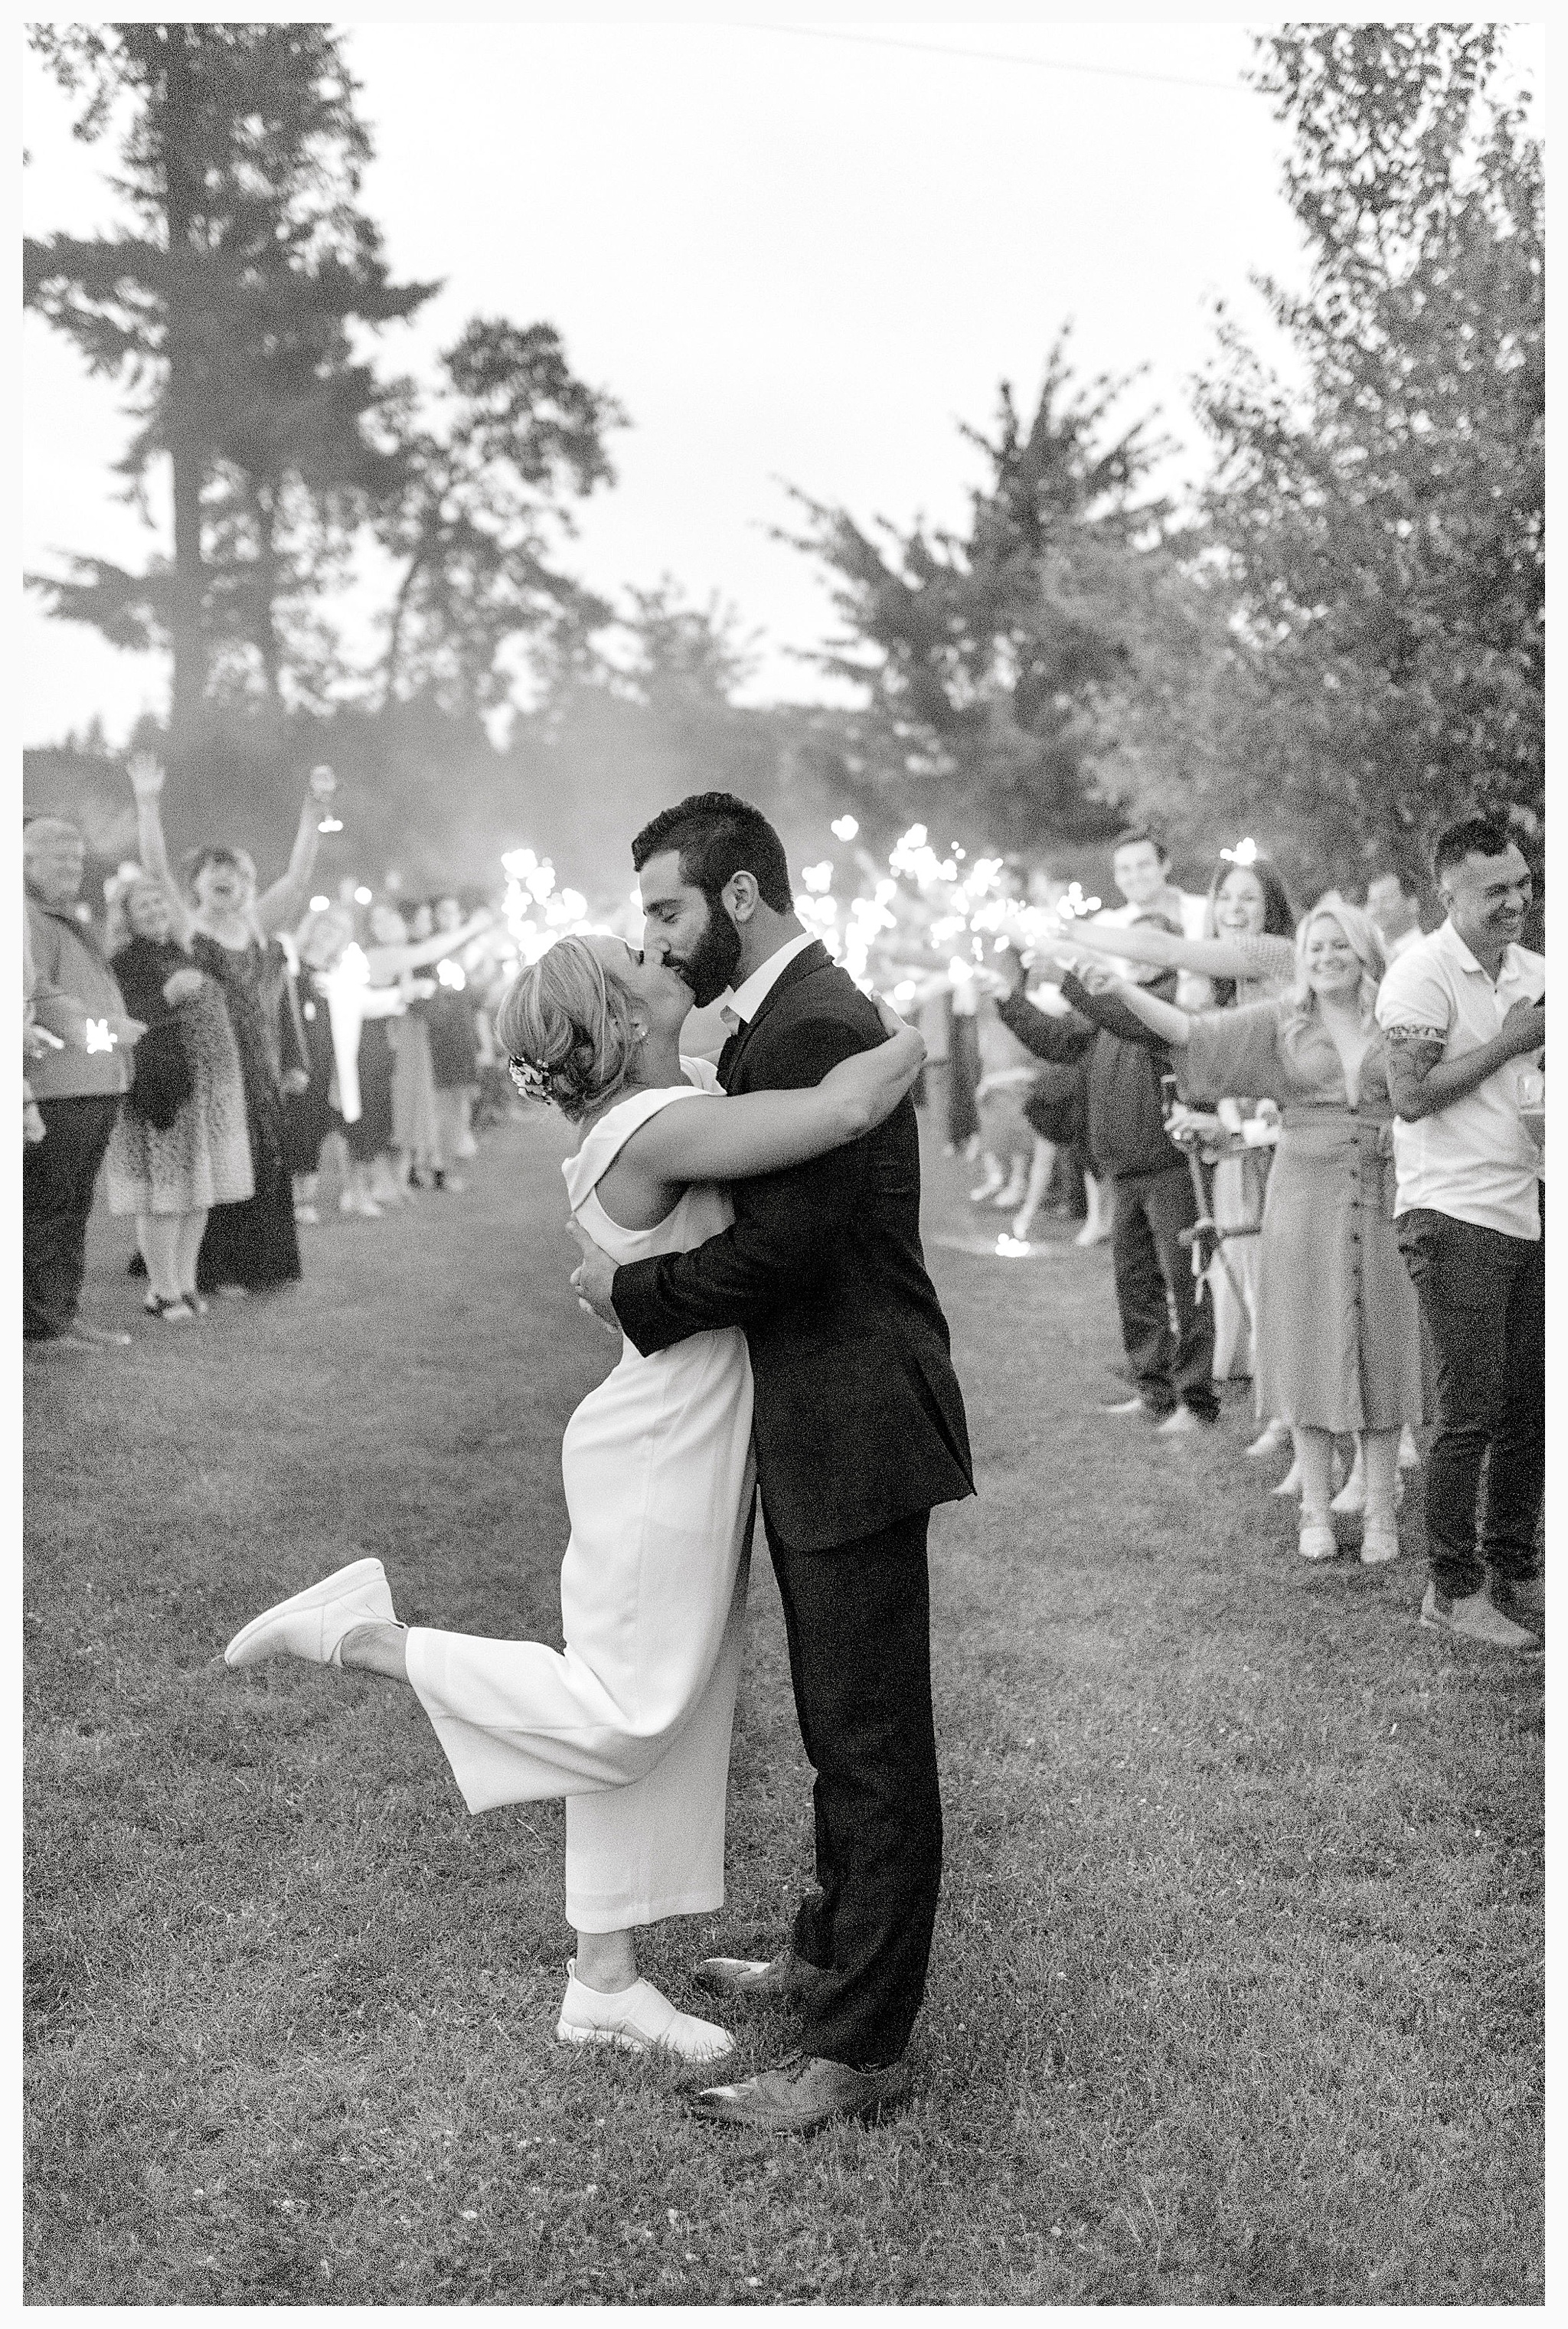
x: 250, y: 1244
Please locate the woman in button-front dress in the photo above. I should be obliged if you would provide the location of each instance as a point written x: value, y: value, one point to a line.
x: 1338, y: 1340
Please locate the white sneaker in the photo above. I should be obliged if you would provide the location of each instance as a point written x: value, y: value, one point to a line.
x: 312, y: 1624
x: 1290, y: 1485
x: 1315, y: 1539
x: 1473, y: 1617
x: 640, y: 2020
x: 1274, y: 1435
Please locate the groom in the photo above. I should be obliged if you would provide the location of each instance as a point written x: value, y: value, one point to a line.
x: 859, y: 1430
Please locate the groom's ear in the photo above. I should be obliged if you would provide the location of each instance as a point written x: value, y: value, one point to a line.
x: 739, y: 897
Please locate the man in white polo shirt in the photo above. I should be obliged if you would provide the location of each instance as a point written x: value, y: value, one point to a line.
x: 1466, y: 1021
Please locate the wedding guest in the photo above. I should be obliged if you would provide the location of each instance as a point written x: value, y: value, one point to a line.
x: 1338, y: 1338
x: 309, y: 1119
x: 1154, y: 1198
x: 76, y: 1086
x: 1008, y: 1139
x: 1465, y: 1018
x: 1141, y: 868
x: 394, y: 957
x: 457, y: 1043
x: 229, y: 929
x: 180, y: 1144
x: 1396, y: 912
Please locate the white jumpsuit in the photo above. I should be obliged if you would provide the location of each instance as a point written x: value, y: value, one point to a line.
x: 631, y: 1723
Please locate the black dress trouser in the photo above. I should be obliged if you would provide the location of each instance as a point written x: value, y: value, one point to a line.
x: 858, y: 1617
x: 58, y: 1174
x: 1155, y: 1285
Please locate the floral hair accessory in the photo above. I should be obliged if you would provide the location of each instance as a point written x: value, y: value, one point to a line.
x: 530, y: 1082
x: 1244, y: 853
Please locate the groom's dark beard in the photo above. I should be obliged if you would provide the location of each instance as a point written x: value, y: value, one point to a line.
x: 711, y: 963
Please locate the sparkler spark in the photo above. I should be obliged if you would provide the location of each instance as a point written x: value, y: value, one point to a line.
x: 98, y: 1035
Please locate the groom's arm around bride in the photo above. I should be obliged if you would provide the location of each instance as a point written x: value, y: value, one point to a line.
x: 859, y: 1421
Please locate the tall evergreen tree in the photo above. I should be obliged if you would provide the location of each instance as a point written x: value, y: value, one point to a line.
x: 996, y: 665
x: 487, y: 469
x: 226, y: 312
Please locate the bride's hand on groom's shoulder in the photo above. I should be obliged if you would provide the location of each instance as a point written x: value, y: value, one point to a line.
x: 593, y: 1278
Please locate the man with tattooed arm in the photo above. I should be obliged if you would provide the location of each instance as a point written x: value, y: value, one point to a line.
x: 1466, y: 1021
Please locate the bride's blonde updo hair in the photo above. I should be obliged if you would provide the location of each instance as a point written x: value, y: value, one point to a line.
x: 566, y: 1024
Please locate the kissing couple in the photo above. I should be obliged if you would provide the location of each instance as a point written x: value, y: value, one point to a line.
x: 754, y: 1235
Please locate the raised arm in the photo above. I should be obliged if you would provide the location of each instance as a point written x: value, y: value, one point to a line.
x: 146, y: 778
x: 1172, y: 1025
x: 719, y: 1139
x: 1104, y: 1005
x: 390, y: 962
x: 1251, y: 957
x: 280, y: 907
x: 781, y: 1246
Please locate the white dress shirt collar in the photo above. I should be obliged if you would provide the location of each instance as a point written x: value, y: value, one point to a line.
x: 738, y: 1007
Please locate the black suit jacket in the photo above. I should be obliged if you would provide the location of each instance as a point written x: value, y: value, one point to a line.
x: 859, y: 1416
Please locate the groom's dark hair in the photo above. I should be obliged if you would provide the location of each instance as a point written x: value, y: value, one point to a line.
x: 716, y: 835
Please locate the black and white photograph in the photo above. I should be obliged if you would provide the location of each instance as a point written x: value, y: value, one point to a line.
x: 781, y: 1212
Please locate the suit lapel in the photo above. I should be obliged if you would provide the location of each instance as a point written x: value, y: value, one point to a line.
x: 812, y: 957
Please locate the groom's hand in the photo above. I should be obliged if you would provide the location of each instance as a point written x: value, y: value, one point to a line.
x: 593, y: 1278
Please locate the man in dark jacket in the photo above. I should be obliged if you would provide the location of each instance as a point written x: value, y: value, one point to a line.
x: 1167, y: 1328
x: 77, y: 1086
x: 859, y: 1431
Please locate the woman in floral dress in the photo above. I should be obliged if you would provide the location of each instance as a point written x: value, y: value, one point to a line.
x: 250, y: 1244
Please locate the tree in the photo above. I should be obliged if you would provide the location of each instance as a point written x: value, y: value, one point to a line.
x: 226, y: 313
x: 483, y: 477
x: 997, y: 666
x: 1381, y: 523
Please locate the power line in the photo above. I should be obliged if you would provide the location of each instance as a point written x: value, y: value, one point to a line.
x: 994, y: 56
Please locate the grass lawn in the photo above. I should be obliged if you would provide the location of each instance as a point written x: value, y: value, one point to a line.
x: 1237, y: 1988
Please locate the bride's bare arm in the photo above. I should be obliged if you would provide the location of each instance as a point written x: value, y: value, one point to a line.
x: 718, y: 1139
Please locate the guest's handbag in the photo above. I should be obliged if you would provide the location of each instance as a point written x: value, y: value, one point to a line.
x: 162, y: 1081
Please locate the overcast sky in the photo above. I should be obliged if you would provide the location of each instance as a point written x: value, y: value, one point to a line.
x: 792, y: 256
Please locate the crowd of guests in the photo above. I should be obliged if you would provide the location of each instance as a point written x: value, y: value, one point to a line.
x: 214, y: 1041
x: 1318, y: 1141
x: 1313, y: 1141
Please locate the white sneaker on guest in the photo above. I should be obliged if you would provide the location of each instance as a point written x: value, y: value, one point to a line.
x: 639, y: 2018
x: 312, y: 1624
x: 1274, y: 1435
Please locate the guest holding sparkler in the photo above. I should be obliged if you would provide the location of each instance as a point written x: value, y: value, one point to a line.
x: 1338, y: 1338
x: 75, y: 1083
x: 229, y: 930
x: 1127, y: 1138
x: 393, y: 957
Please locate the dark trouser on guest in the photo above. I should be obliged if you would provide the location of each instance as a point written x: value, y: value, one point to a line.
x: 858, y: 1617
x: 1154, y: 1277
x: 963, y: 1075
x: 1483, y: 1302
x: 58, y: 1174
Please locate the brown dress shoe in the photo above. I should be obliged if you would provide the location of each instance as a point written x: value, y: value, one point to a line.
x: 778, y: 1978
x: 802, y: 2094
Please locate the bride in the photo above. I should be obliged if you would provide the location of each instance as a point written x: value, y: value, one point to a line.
x: 631, y: 1723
